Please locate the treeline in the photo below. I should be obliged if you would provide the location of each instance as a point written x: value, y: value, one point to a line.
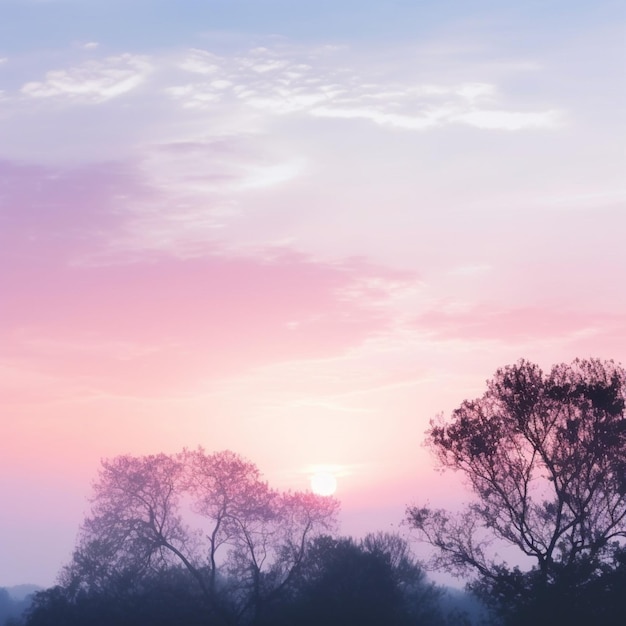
x: 544, y: 454
x: 11, y: 607
x: 372, y: 582
x: 197, y: 538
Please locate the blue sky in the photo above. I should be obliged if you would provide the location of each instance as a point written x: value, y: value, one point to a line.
x: 156, y: 23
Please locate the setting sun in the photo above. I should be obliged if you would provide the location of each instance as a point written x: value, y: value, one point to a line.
x: 323, y: 483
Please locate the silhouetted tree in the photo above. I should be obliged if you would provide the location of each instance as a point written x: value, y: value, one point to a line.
x: 545, y: 454
x: 374, y: 582
x: 138, y: 528
x: 164, y: 598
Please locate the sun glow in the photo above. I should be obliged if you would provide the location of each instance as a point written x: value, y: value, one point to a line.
x: 323, y: 483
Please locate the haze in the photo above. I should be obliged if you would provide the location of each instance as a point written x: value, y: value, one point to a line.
x: 295, y: 232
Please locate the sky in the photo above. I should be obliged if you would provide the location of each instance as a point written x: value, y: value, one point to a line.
x: 295, y: 230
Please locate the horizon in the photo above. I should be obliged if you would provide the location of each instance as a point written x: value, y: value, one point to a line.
x: 294, y: 232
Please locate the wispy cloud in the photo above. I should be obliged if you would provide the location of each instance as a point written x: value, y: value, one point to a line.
x: 102, y: 320
x: 509, y: 120
x: 91, y: 320
x: 281, y: 83
x: 93, y: 81
x: 492, y: 322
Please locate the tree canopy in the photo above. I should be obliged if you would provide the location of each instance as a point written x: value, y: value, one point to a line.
x: 545, y: 456
x: 196, y: 538
x: 372, y: 582
x: 239, y: 541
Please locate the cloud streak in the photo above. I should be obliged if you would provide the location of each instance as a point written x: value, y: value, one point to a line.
x: 93, y: 81
x: 82, y: 311
x: 280, y: 82
x: 276, y: 83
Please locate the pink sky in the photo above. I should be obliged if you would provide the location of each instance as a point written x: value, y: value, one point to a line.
x: 297, y: 245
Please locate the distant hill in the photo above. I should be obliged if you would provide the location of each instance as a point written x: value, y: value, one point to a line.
x: 459, y: 600
x: 19, y: 592
x: 15, y: 600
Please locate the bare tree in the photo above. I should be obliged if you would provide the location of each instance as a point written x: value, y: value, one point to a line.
x: 269, y: 553
x: 245, y: 543
x: 228, y: 494
x: 546, y: 457
x: 135, y: 522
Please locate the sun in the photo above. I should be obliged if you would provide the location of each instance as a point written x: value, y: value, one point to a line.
x: 323, y: 483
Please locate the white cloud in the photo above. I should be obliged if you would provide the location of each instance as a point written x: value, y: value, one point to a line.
x: 261, y: 176
x: 450, y: 111
x: 201, y: 62
x: 94, y: 81
x: 221, y: 84
x: 510, y: 120
x: 381, y: 118
x: 219, y: 168
x: 270, y: 66
x: 473, y: 92
x: 192, y: 96
x: 202, y: 187
x: 278, y: 82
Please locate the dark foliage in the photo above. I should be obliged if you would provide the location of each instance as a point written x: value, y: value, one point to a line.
x: 546, y: 457
x: 254, y: 557
x: 577, y: 596
x: 375, y: 582
x: 247, y: 543
x: 165, y: 599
